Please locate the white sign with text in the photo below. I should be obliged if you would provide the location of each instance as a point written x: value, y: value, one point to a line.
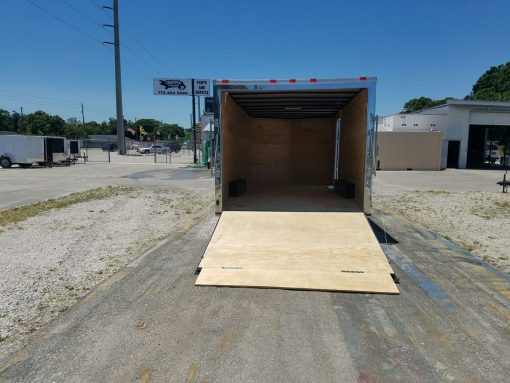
x: 180, y: 87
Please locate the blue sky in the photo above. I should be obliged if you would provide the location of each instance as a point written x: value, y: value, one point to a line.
x: 415, y: 48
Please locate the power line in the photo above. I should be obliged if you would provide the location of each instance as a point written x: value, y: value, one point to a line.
x: 148, y: 52
x: 84, y: 15
x: 37, y: 98
x: 63, y: 21
x: 45, y: 100
x: 132, y: 65
x: 97, y: 5
x: 36, y: 103
x: 139, y: 57
x: 139, y: 44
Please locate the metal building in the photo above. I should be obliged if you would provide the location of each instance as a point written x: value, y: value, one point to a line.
x: 476, y: 134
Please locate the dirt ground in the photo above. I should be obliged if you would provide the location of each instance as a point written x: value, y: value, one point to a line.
x: 52, y: 259
x: 474, y: 215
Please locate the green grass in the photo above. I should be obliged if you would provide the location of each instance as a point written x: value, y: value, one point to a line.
x: 19, y: 214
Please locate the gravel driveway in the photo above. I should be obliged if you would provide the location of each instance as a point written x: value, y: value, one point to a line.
x: 51, y: 260
x: 477, y: 221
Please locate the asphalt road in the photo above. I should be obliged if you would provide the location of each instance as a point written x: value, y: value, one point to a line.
x: 25, y: 186
x: 149, y: 323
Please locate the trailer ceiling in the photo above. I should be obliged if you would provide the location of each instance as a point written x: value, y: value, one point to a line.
x: 294, y: 103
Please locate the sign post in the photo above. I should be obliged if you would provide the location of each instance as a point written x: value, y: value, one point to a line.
x: 194, y: 122
x: 184, y: 87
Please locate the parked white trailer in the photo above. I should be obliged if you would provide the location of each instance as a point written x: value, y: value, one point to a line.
x: 73, y: 149
x: 28, y: 150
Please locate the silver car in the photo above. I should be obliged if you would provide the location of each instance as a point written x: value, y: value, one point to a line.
x: 159, y: 149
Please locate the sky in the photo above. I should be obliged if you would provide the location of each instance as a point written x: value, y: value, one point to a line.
x: 415, y: 48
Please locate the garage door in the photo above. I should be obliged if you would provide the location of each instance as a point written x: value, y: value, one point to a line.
x: 331, y: 251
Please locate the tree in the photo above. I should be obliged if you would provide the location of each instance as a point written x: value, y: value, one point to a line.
x: 6, y: 121
x: 417, y: 104
x: 149, y: 124
x: 171, y: 131
x: 493, y: 85
x: 42, y: 124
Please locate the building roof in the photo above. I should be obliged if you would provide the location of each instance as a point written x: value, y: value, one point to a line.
x: 489, y: 105
x: 478, y: 103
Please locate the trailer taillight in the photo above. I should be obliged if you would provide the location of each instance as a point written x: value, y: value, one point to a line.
x: 292, y: 80
x: 272, y: 81
x: 225, y: 81
x: 363, y: 78
x: 313, y: 80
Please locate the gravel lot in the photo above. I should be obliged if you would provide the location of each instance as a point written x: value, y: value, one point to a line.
x: 465, y: 207
x: 51, y: 260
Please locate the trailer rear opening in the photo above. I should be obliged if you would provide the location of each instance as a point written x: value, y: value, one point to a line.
x: 294, y: 163
x: 283, y: 144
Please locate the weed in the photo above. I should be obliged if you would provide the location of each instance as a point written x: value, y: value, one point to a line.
x: 19, y: 214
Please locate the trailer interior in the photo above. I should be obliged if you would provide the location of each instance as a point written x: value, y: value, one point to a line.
x: 297, y: 220
x: 283, y: 145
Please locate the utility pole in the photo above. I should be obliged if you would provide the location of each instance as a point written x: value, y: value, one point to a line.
x: 82, y: 115
x: 21, y: 111
x: 121, y: 140
x: 193, y: 121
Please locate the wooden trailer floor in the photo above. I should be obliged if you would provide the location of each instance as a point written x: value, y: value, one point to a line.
x: 333, y: 251
x: 290, y: 197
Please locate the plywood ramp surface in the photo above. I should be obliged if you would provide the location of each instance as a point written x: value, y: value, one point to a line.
x: 335, y: 251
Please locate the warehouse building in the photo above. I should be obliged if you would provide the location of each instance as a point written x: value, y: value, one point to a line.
x: 475, y: 134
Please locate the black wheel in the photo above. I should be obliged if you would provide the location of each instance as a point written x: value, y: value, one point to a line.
x: 5, y: 162
x: 147, y: 152
x: 25, y: 165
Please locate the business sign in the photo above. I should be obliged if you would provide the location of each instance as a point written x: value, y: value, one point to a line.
x: 209, y: 105
x: 202, y: 88
x: 180, y: 87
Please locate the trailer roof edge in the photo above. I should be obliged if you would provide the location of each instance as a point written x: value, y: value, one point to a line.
x: 360, y: 80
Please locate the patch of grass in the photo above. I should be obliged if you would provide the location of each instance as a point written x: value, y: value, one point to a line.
x: 3, y: 338
x: 19, y: 214
x: 436, y: 192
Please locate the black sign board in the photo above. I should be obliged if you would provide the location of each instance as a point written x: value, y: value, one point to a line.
x: 209, y: 105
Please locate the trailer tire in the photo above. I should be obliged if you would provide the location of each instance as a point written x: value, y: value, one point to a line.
x: 5, y: 162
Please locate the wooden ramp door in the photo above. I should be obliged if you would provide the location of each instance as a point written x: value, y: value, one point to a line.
x: 330, y: 251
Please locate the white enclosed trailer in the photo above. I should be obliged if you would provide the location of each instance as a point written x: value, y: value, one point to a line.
x: 294, y: 161
x: 28, y: 150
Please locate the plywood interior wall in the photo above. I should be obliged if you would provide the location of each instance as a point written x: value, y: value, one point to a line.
x: 409, y: 150
x: 352, y: 143
x: 235, y: 125
x: 300, y: 151
x: 291, y: 150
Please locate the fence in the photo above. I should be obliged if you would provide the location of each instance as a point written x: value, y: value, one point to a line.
x: 161, y: 151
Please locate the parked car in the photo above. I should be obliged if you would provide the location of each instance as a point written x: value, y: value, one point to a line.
x: 153, y: 148
x: 173, y: 147
x: 109, y: 147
